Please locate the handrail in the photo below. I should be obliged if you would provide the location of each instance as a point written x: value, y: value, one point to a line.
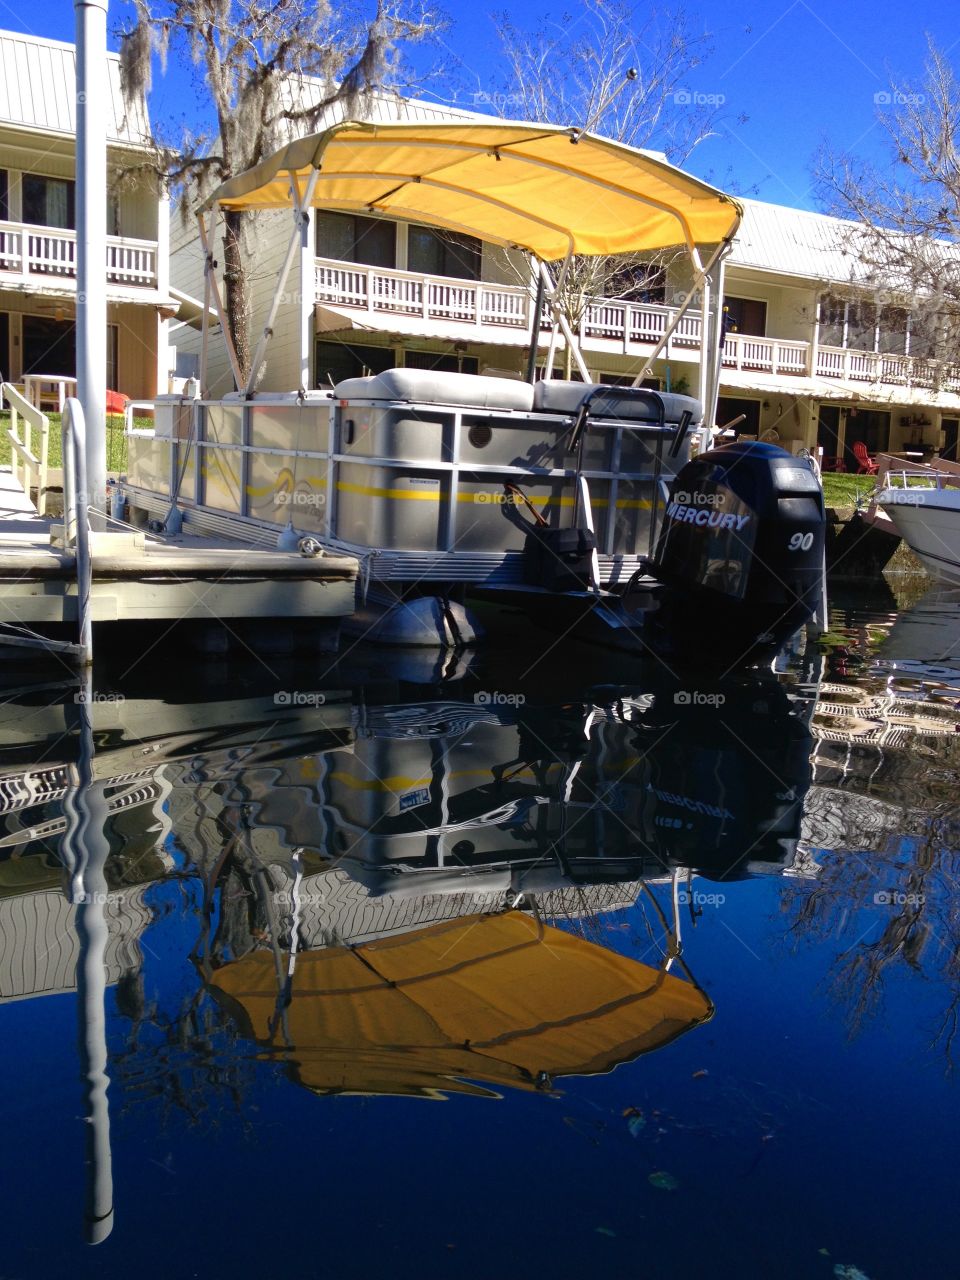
x: 76, y: 522
x: 22, y: 449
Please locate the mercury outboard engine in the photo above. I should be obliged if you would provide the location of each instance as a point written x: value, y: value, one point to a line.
x: 740, y: 553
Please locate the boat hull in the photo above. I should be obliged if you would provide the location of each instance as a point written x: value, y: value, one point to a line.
x: 929, y: 523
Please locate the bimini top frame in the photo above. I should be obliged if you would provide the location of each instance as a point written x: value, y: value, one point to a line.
x: 551, y: 191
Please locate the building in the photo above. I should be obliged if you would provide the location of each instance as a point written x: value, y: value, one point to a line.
x: 38, y: 251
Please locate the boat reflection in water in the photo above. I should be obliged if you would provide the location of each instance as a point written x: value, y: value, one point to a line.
x: 428, y: 913
x: 414, y: 898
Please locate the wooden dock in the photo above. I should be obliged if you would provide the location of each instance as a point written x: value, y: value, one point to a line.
x: 142, y: 577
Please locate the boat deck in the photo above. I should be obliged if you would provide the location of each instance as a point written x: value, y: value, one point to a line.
x: 138, y: 576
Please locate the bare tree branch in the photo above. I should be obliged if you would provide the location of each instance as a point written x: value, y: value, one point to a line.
x: 268, y: 67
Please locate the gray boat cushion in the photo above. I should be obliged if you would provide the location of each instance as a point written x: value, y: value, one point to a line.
x: 556, y: 396
x: 429, y: 386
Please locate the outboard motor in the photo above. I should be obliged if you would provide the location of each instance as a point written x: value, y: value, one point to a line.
x: 740, y: 553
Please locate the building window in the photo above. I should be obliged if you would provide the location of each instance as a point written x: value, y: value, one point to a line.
x: 4, y: 346
x: 336, y: 361
x: 434, y: 252
x: 746, y: 315
x: 113, y: 357
x: 350, y: 237
x: 863, y: 326
x: 638, y: 282
x: 445, y: 363
x: 49, y: 346
x: 48, y: 202
x: 729, y: 408
x: 833, y: 312
x: 4, y: 196
x: 869, y: 425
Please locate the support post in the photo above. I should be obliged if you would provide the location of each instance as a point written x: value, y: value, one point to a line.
x: 211, y: 287
x: 163, y: 287
x: 91, y: 174
x: 301, y: 203
x: 560, y: 319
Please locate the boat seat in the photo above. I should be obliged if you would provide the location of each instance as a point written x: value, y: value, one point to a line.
x: 557, y: 396
x: 430, y: 386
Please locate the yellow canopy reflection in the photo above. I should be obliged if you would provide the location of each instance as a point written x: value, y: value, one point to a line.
x: 544, y: 188
x: 503, y: 999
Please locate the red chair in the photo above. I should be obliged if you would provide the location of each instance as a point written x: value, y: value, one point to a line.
x: 116, y: 402
x: 867, y: 466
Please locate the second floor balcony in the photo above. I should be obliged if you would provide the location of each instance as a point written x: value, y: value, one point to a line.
x: 34, y: 257
x: 484, y: 311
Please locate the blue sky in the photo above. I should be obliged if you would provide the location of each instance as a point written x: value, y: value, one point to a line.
x: 801, y: 73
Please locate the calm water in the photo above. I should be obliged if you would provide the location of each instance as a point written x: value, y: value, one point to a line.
x: 489, y: 969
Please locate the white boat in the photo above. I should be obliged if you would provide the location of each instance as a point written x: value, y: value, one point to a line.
x: 578, y: 503
x: 924, y: 506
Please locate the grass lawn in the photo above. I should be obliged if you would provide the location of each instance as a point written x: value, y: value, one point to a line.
x: 116, y: 441
x: 841, y: 490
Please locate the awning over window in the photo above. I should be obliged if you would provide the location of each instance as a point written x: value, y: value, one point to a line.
x: 542, y: 188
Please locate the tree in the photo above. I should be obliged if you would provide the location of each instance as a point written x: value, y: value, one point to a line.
x: 622, y: 71
x: 272, y: 68
x: 907, y: 210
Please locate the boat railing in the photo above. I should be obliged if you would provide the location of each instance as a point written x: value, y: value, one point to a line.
x: 28, y: 457
x: 288, y: 459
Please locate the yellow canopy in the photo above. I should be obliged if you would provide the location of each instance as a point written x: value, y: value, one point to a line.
x: 501, y: 999
x: 543, y: 188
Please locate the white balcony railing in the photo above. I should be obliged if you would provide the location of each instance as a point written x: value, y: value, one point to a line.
x: 631, y: 328
x: 48, y: 254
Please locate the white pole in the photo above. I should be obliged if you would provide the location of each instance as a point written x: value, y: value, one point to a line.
x: 92, y: 90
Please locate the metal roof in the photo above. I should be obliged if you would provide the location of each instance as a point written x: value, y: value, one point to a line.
x: 38, y: 90
x: 797, y: 242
